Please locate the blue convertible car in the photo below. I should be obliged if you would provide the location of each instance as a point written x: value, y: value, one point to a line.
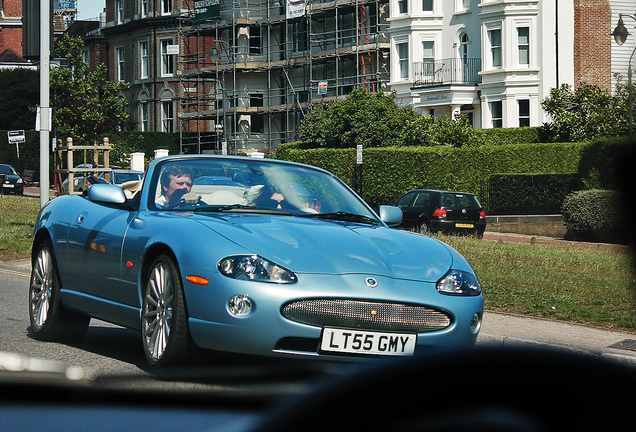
x: 249, y: 256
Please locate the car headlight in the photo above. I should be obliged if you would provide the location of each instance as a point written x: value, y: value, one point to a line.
x: 255, y: 268
x: 19, y: 181
x: 458, y: 282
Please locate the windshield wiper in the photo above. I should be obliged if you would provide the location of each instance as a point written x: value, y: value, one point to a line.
x: 247, y: 208
x: 343, y: 216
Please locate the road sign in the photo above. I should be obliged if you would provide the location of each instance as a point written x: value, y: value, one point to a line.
x: 16, y: 136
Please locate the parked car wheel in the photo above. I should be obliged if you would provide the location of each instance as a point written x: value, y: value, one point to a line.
x: 164, y: 325
x: 424, y: 228
x: 49, y: 320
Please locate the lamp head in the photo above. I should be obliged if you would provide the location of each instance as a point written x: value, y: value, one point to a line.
x: 620, y: 33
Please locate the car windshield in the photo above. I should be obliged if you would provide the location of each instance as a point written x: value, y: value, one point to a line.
x: 243, y: 184
x: 6, y: 169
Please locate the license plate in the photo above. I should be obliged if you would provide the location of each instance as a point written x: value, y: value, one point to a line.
x: 364, y: 342
x: 464, y: 225
x: 8, y: 185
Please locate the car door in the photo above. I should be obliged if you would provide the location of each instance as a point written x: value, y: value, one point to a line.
x: 409, y: 215
x: 95, y: 239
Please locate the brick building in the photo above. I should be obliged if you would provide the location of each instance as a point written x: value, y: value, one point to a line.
x: 11, y: 34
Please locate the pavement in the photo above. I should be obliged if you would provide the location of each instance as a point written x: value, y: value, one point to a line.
x: 507, y: 330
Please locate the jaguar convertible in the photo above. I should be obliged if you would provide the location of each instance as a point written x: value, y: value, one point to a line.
x: 251, y: 256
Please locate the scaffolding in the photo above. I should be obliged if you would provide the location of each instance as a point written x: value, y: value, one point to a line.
x: 249, y: 76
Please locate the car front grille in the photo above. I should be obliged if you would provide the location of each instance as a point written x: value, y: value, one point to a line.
x: 368, y: 315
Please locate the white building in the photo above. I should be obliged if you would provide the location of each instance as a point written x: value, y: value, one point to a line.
x: 496, y: 60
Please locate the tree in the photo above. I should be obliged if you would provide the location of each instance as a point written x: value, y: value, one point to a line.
x: 585, y: 113
x: 86, y: 103
x: 370, y: 119
x: 20, y: 95
x: 376, y: 120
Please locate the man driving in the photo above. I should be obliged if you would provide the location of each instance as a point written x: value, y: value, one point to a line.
x: 176, y: 185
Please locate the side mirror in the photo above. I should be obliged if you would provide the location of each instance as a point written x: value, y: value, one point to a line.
x: 106, y: 193
x: 390, y: 215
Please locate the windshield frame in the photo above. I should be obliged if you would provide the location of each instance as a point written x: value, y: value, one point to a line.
x: 343, y: 198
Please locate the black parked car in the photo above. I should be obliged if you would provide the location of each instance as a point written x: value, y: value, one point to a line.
x: 442, y: 211
x: 11, y: 181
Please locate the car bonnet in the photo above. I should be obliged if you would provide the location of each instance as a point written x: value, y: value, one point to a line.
x: 333, y: 247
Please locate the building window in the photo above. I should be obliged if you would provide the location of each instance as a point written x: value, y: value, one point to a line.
x: 403, y: 6
x: 167, y: 60
x: 166, y: 7
x: 427, y: 5
x: 86, y: 56
x: 256, y: 100
x: 523, y: 42
x: 403, y: 59
x: 119, y: 11
x: 496, y: 113
x: 524, y: 113
x: 299, y: 36
x: 144, y: 122
x: 257, y: 123
x: 428, y: 57
x: 121, y: 64
x: 167, y: 116
x: 494, y: 36
x: 143, y: 8
x: 144, y: 62
x: 256, y: 41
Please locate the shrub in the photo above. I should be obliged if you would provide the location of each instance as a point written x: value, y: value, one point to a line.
x: 595, y: 215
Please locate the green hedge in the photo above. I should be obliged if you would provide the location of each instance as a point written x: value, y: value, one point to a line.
x: 390, y: 171
x: 596, y: 215
x: 535, y: 194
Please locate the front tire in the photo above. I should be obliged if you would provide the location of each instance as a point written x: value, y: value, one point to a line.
x: 163, y: 322
x: 49, y: 320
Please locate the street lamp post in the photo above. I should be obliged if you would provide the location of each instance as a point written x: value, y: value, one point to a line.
x: 620, y: 34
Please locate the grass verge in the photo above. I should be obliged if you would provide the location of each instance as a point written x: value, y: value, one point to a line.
x: 17, y: 216
x: 564, y: 282
x: 578, y: 284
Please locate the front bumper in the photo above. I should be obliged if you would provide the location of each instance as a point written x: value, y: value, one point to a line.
x: 267, y: 332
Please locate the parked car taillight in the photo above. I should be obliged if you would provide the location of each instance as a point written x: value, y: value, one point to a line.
x: 440, y: 212
x: 482, y: 215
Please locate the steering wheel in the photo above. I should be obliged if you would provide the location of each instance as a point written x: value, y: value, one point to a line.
x: 496, y: 389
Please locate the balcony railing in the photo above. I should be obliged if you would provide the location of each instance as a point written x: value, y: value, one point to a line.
x: 447, y: 71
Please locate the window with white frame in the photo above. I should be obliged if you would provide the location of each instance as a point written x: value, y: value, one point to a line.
x: 167, y: 60
x: 143, y: 8
x: 166, y: 7
x: 496, y: 114
x: 427, y: 5
x: 86, y: 56
x: 494, y: 38
x: 144, y: 121
x: 402, y: 49
x: 523, y: 44
x: 121, y: 63
x: 462, y: 5
x: 144, y: 60
x: 403, y: 7
x: 119, y: 11
x: 167, y: 116
x: 524, y: 112
x: 428, y: 57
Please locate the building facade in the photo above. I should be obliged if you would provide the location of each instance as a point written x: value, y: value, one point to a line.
x: 242, y: 78
x: 496, y: 60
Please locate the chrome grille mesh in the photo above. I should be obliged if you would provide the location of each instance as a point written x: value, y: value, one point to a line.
x: 368, y: 315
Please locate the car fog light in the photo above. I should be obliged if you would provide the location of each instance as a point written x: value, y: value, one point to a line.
x: 475, y: 323
x: 240, y: 305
